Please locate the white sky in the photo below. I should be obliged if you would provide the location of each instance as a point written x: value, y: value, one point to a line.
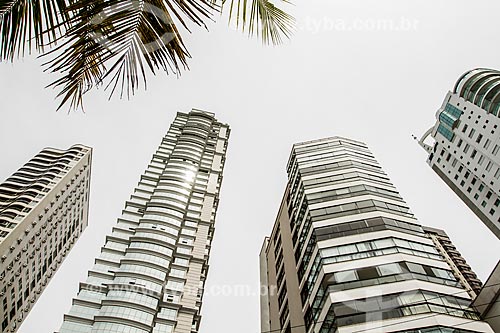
x: 375, y: 86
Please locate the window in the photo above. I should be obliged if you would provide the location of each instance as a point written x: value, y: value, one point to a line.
x: 175, y: 285
x: 441, y: 273
x: 474, y: 180
x: 495, y: 150
x: 474, y: 152
x: 415, y: 268
x: 479, y: 138
x: 483, y: 203
x: 467, y: 174
x: 488, y: 167
x: 476, y: 196
x: 390, y: 269
x: 345, y: 276
x: 459, y: 144
x: 464, y: 128
x: 497, y: 202
x: 466, y: 148
x: 471, y: 133
x: 497, y: 173
x: 487, y: 143
x: 481, y: 160
x: 481, y: 187
x: 367, y: 273
x: 492, y: 211
x: 488, y: 195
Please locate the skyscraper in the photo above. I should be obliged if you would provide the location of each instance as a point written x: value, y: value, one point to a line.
x: 347, y: 255
x: 43, y: 211
x: 487, y: 301
x: 150, y: 275
x: 465, y: 152
x: 462, y: 271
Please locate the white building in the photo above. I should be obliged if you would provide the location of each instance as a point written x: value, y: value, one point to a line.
x: 465, y: 152
x: 466, y: 155
x: 43, y: 211
x: 151, y: 272
x: 346, y: 254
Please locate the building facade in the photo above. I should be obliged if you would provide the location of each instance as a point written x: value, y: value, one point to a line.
x: 43, y: 211
x: 462, y: 271
x: 347, y: 255
x: 466, y: 135
x: 150, y: 275
x: 465, y: 154
x: 487, y: 302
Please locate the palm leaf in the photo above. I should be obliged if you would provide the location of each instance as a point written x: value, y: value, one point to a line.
x: 25, y: 21
x: 115, y: 43
x: 262, y: 18
x: 81, y: 59
x: 131, y: 36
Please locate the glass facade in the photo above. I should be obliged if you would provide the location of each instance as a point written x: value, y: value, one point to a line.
x: 448, y: 121
x: 344, y: 237
x: 140, y: 282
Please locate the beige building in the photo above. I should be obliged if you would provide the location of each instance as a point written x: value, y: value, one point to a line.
x: 43, y: 211
x: 152, y: 269
x: 461, y: 269
x: 347, y: 255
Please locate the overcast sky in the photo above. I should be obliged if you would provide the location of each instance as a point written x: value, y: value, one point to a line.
x: 377, y: 86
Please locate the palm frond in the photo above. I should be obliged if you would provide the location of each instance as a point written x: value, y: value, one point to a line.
x: 131, y: 36
x: 25, y: 21
x: 262, y: 18
x: 116, y: 43
x: 81, y: 59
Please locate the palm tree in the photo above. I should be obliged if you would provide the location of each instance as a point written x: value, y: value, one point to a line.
x: 117, y: 42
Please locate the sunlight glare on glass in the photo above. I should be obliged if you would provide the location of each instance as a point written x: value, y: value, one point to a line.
x: 189, y: 176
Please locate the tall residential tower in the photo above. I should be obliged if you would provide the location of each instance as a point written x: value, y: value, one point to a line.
x: 347, y: 255
x: 466, y: 155
x: 462, y: 271
x: 466, y: 135
x: 43, y: 211
x: 150, y: 275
